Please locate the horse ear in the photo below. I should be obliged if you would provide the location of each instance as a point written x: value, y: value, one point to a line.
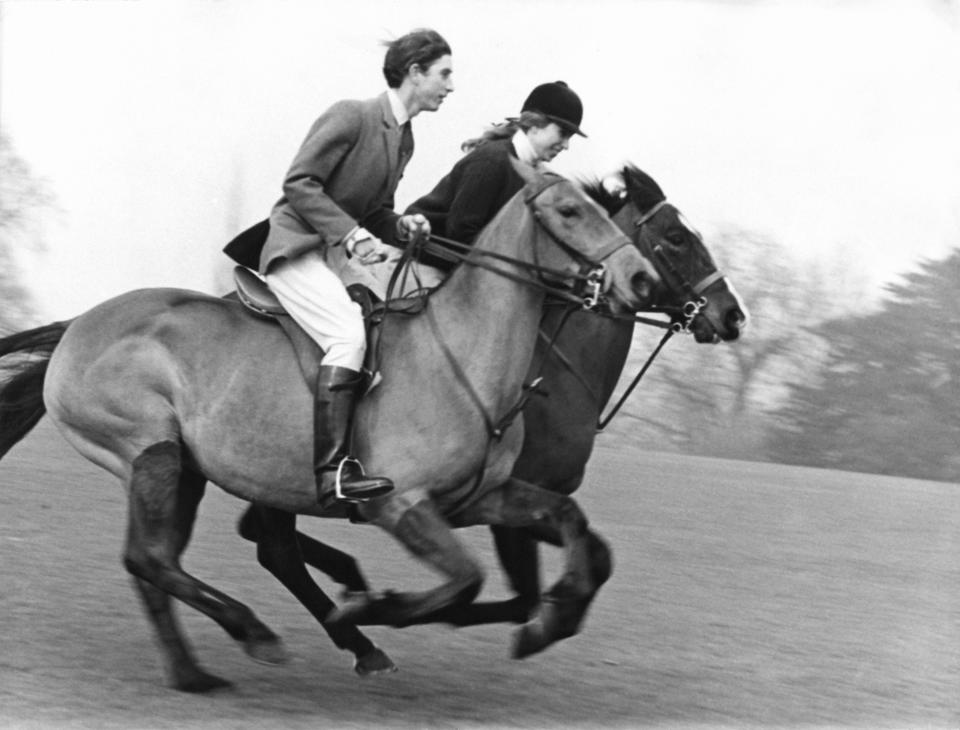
x: 524, y: 170
x: 615, y: 185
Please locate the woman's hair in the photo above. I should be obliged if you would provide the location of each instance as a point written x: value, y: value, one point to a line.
x: 421, y: 46
x: 507, y: 128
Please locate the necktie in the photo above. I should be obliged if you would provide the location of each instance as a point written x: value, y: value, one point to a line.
x: 406, y: 142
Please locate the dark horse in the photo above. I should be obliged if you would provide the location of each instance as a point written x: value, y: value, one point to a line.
x: 580, y: 356
x: 167, y: 389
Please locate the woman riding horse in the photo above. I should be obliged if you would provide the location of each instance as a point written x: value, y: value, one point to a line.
x: 580, y: 356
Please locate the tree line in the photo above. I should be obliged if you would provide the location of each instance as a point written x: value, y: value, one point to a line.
x: 816, y: 379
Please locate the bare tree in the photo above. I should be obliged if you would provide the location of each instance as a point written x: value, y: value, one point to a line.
x: 22, y: 199
x: 719, y: 399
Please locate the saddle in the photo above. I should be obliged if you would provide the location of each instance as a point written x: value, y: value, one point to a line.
x: 255, y: 295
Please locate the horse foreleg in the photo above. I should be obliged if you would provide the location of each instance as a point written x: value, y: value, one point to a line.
x: 163, y: 501
x: 420, y: 528
x: 564, y: 605
x: 345, y: 570
x: 279, y: 550
x: 335, y: 564
x: 519, y: 557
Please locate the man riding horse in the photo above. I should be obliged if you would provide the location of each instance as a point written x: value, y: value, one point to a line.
x: 338, y: 203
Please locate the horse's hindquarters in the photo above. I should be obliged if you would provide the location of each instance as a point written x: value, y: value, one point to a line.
x: 160, y: 365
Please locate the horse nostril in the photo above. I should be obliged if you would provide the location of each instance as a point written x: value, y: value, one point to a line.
x: 641, y: 285
x: 735, y: 320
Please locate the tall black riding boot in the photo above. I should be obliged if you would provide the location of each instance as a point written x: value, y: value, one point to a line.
x: 339, y: 476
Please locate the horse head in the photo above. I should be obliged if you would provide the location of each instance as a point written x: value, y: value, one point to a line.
x: 690, y: 280
x: 590, y: 244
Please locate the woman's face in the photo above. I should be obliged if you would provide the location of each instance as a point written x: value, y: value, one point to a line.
x: 549, y: 141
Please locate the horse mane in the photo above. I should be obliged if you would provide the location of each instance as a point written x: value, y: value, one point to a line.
x: 641, y: 190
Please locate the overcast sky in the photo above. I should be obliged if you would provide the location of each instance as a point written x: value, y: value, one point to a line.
x: 165, y: 127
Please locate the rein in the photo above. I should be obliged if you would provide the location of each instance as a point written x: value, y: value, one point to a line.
x: 590, y: 278
x: 681, y: 317
x: 465, y: 253
x: 460, y: 252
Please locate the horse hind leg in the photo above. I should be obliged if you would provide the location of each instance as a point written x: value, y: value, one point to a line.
x: 182, y: 668
x: 335, y: 564
x: 279, y: 550
x: 163, y: 501
x: 184, y: 672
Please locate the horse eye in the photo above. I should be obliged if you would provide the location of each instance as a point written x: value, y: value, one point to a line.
x: 567, y: 211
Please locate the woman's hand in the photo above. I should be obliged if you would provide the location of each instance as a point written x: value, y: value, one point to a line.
x: 413, y: 227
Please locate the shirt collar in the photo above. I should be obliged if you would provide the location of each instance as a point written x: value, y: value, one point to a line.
x: 524, y: 149
x: 397, y: 107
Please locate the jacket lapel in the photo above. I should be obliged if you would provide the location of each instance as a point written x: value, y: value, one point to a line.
x: 391, y: 138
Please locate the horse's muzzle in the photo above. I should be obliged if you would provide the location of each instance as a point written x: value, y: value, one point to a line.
x: 631, y: 280
x: 711, y: 327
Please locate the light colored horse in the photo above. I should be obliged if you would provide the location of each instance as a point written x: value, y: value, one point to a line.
x: 167, y: 389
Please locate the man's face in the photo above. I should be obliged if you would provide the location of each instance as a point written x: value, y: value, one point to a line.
x: 433, y: 83
x: 549, y: 141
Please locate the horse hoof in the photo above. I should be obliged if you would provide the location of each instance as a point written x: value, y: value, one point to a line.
x: 374, y: 662
x: 271, y: 651
x: 199, y: 681
x: 529, y: 640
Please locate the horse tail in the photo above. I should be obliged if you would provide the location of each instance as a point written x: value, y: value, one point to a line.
x: 24, y: 358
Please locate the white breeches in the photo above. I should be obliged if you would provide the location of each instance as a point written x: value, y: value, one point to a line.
x: 318, y: 301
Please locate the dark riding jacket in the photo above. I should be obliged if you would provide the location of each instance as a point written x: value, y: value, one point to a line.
x: 470, y: 195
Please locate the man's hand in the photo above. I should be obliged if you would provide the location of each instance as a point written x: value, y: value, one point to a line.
x: 366, y: 248
x: 412, y: 227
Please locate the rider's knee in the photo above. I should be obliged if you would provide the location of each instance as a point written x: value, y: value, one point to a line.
x: 347, y: 349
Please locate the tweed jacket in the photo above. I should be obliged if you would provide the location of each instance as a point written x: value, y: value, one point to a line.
x: 471, y: 195
x: 345, y: 173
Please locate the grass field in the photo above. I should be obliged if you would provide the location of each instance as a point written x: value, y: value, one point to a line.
x: 743, y: 595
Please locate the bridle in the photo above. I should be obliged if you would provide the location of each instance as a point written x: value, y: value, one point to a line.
x: 682, y: 316
x: 582, y: 289
x: 585, y: 292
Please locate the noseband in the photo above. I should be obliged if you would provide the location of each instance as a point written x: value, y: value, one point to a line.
x: 684, y: 315
x: 592, y: 270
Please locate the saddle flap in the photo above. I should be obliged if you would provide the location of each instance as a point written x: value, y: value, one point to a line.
x: 255, y: 294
